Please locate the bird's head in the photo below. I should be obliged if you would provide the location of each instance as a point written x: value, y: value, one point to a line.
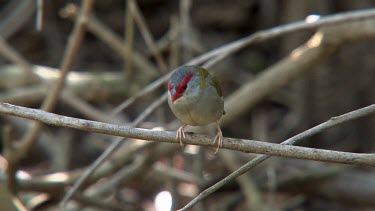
x: 179, y: 82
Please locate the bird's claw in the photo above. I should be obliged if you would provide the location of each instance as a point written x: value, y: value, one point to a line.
x: 180, y: 134
x: 219, y: 138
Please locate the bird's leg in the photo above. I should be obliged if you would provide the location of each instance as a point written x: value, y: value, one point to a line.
x: 218, y: 137
x: 180, y: 134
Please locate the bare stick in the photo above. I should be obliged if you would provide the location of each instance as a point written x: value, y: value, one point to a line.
x: 129, y: 38
x: 147, y: 36
x: 257, y: 37
x: 9, y: 154
x: 249, y: 146
x: 39, y: 15
x: 115, y: 42
x: 149, y: 88
x: 19, y: 13
x: 291, y: 141
x: 10, y: 53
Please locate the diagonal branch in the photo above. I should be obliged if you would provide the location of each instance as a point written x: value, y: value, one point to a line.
x: 215, y: 55
x: 291, y: 141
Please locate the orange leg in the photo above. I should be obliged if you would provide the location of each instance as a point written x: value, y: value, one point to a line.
x: 180, y: 134
x: 218, y: 137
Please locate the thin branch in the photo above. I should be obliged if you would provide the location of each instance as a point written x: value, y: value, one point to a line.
x: 90, y: 86
x: 129, y: 38
x: 86, y: 109
x: 39, y: 15
x: 112, y: 40
x: 243, y: 145
x: 247, y: 184
x: 228, y: 49
x: 147, y: 36
x: 10, y: 155
x: 291, y: 141
x: 10, y: 53
x: 272, y: 33
x: 185, y: 29
x: 15, y: 15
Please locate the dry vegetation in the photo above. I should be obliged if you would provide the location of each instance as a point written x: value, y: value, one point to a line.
x: 105, y: 63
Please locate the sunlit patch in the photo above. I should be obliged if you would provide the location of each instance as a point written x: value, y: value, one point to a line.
x: 23, y: 175
x: 186, y: 189
x: 18, y: 204
x: 191, y: 149
x: 315, y: 41
x: 312, y: 18
x: 37, y: 200
x: 158, y: 129
x: 49, y: 73
x: 296, y: 53
x: 57, y: 177
x: 163, y: 201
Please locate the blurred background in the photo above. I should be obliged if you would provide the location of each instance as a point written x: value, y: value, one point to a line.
x: 152, y: 175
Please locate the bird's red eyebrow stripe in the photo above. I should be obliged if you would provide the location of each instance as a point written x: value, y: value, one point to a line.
x: 179, y: 88
x: 185, y: 81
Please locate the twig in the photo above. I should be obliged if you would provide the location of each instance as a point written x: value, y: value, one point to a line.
x: 152, y: 86
x: 147, y: 36
x: 174, y: 53
x: 291, y: 141
x: 86, y: 109
x: 137, y: 170
x: 10, y: 156
x: 96, y: 203
x: 257, y: 37
x: 185, y: 31
x: 39, y: 15
x: 154, y: 105
x: 176, y: 174
x: 247, y: 185
x: 93, y: 87
x: 17, y: 13
x: 10, y: 53
x: 115, y: 42
x: 121, y: 177
x: 129, y: 38
x: 243, y: 145
x: 272, y: 33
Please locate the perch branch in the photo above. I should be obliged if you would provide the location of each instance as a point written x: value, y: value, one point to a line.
x: 243, y: 145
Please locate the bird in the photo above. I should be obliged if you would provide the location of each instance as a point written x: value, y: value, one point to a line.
x: 195, y: 97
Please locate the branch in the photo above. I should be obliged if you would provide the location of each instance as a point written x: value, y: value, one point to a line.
x: 243, y: 145
x: 222, y: 52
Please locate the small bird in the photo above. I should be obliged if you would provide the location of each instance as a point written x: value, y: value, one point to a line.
x: 195, y: 98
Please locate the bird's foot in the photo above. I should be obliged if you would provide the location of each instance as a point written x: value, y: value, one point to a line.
x: 180, y: 134
x: 218, y: 137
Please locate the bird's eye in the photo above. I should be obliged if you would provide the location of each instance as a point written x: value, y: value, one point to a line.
x: 184, y: 87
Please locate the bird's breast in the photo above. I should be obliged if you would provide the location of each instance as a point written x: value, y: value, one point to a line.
x: 198, y: 108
